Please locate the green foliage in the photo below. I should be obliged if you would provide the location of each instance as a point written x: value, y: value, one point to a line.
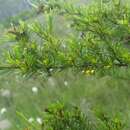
x: 99, y: 36
x: 58, y: 117
x: 67, y: 117
x: 97, y: 97
x: 111, y: 123
x: 98, y: 41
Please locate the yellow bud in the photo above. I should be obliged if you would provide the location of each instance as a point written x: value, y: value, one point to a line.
x: 92, y: 71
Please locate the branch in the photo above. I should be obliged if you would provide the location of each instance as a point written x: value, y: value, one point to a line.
x: 8, y: 67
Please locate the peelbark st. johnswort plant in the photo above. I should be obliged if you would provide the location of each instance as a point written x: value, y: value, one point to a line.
x: 98, y: 39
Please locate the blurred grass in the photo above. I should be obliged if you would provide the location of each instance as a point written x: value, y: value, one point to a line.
x: 107, y: 94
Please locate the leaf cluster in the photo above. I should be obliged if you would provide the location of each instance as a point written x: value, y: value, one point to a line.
x: 99, y: 39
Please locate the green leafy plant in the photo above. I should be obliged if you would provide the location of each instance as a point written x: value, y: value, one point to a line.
x: 68, y: 117
x: 98, y: 39
x: 111, y: 123
x: 59, y: 116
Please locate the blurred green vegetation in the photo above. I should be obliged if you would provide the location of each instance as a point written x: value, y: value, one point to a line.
x: 25, y: 15
x: 94, y: 95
